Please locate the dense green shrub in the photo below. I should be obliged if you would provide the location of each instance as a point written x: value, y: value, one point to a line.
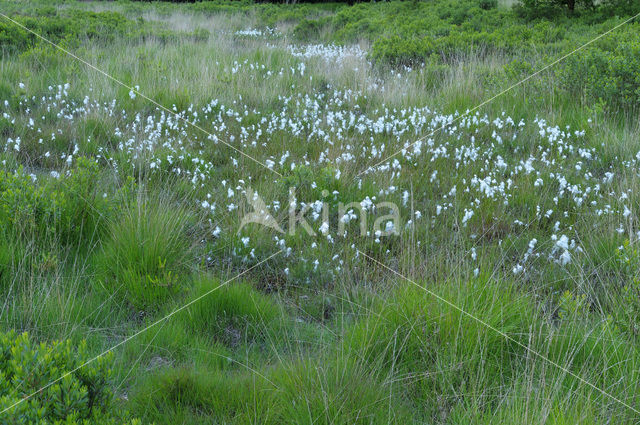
x: 67, y: 209
x: 310, y: 29
x: 269, y: 14
x: 82, y: 397
x: 456, y: 45
x: 593, y: 8
x: 488, y: 4
x: 537, y: 5
x: 73, y: 26
x: 146, y: 256
x: 609, y: 72
x: 620, y: 7
x: 396, y: 50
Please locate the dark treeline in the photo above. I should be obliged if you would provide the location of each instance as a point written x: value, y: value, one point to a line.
x: 350, y: 2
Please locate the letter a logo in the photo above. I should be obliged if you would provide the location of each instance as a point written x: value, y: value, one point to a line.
x: 260, y: 214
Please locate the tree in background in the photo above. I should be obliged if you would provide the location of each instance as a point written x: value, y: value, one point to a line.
x: 607, y: 8
x: 546, y: 5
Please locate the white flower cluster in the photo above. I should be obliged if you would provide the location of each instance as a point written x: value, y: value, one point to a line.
x: 328, y: 52
x: 258, y: 33
x: 473, y: 171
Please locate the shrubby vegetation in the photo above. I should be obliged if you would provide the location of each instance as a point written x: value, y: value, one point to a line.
x: 115, y: 214
x: 430, y: 33
x: 81, y: 397
x: 71, y: 26
x: 609, y: 73
x: 69, y: 210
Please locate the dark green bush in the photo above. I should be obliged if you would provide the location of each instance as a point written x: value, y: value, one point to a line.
x: 83, y: 396
x: 599, y: 10
x: 73, y: 26
x: 488, y: 4
x: 310, y: 29
x: 609, y: 72
x: 620, y: 7
x: 535, y: 6
x: 12, y: 37
x: 396, y: 50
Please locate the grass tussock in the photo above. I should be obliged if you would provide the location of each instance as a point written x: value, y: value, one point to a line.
x: 121, y: 223
x: 146, y: 256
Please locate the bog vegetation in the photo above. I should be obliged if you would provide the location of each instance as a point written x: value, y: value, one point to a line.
x: 116, y: 213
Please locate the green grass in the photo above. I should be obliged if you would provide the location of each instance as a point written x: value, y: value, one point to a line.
x: 115, y: 215
x: 146, y: 256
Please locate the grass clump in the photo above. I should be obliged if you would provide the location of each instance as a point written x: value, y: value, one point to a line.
x: 146, y: 256
x: 6, y: 259
x: 305, y: 392
x: 232, y: 314
x: 457, y: 368
x: 436, y: 348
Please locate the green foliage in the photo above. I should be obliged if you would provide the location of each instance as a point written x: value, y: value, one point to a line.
x: 628, y: 257
x: 67, y: 209
x: 410, y: 32
x: 80, y: 395
x: 608, y: 72
x: 310, y: 29
x: 620, y: 7
x: 445, y: 32
x: 587, y: 8
x: 269, y: 14
x: 232, y: 313
x: 145, y: 258
x: 302, y: 392
x: 415, y: 333
x: 326, y: 341
x: 6, y: 261
x: 488, y: 4
x: 396, y: 50
x: 572, y: 306
x: 72, y: 26
x: 544, y: 7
